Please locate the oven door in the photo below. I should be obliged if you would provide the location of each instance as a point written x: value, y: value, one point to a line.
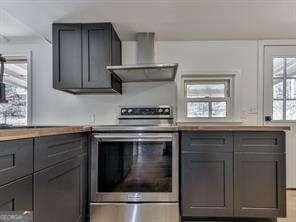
x: 134, y: 167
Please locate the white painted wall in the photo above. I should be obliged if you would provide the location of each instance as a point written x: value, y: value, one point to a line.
x: 58, y: 108
x: 54, y: 107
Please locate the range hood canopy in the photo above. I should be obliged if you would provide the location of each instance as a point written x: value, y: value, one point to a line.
x: 145, y: 70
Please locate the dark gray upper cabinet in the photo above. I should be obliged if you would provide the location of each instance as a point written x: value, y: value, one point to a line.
x: 81, y: 53
x: 67, y: 59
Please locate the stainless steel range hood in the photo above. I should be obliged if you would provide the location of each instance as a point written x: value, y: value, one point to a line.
x: 145, y: 70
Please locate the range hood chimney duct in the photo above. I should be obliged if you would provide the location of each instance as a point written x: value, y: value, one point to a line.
x: 145, y: 48
x: 145, y: 70
x: 2, y: 85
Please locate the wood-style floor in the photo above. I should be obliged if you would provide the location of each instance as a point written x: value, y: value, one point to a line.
x: 291, y: 207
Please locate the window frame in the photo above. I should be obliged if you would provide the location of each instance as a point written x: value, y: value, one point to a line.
x: 284, y: 78
x: 28, y: 56
x: 227, y: 80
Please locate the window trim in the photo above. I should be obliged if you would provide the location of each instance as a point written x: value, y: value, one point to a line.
x: 229, y: 78
x: 28, y: 55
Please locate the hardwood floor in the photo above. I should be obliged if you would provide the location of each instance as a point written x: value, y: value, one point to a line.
x: 291, y: 207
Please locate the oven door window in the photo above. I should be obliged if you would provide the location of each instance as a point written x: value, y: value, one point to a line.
x: 135, y: 166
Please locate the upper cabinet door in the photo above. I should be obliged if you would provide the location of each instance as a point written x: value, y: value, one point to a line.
x: 67, y: 67
x: 96, y: 55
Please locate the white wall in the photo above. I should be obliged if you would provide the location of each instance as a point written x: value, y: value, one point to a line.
x: 54, y: 107
x: 58, y: 108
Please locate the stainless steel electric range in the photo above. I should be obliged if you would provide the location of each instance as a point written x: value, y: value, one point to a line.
x: 134, y: 167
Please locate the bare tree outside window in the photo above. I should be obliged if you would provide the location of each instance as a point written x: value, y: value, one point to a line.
x: 15, y: 77
x: 207, y: 98
x: 284, y: 88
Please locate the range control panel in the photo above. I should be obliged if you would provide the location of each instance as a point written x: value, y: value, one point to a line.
x: 146, y: 111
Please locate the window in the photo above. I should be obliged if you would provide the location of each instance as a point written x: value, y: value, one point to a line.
x: 207, y: 98
x: 15, y: 78
x: 284, y: 88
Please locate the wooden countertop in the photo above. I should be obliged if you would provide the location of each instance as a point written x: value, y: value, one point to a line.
x: 200, y: 127
x: 21, y: 133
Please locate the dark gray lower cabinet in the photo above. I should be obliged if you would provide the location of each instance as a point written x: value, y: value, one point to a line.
x: 17, y: 195
x: 51, y: 150
x: 236, y: 175
x: 259, y: 185
x: 60, y: 192
x: 16, y: 159
x: 207, y: 184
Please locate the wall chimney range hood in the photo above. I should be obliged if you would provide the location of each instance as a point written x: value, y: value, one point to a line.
x: 145, y: 70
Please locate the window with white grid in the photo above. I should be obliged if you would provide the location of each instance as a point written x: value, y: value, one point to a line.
x: 284, y: 88
x: 207, y: 99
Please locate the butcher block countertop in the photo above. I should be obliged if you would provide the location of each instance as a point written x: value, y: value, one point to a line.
x: 21, y: 133
x: 29, y: 132
x: 199, y: 127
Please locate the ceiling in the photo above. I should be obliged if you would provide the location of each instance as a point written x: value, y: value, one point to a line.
x: 169, y: 19
x: 11, y: 28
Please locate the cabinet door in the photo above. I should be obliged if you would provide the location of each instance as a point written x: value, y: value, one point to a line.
x: 59, y: 193
x: 16, y: 159
x: 259, y: 185
x: 96, y: 43
x: 17, y: 196
x: 207, y: 185
x: 67, y: 59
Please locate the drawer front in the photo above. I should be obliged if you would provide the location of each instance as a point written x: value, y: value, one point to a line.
x: 269, y: 142
x: 55, y: 149
x: 206, y: 142
x: 17, y: 196
x: 16, y: 159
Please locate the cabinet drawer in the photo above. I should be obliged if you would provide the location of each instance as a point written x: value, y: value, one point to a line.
x: 270, y: 142
x: 16, y: 159
x: 54, y: 149
x: 17, y: 195
x: 206, y: 142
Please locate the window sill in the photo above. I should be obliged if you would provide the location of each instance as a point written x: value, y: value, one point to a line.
x: 212, y: 121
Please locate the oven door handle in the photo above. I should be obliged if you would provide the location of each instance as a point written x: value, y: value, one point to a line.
x: 132, y: 137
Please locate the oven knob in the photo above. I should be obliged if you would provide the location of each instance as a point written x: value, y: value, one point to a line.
x: 123, y: 111
x: 129, y: 110
x: 160, y: 110
x: 167, y: 110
